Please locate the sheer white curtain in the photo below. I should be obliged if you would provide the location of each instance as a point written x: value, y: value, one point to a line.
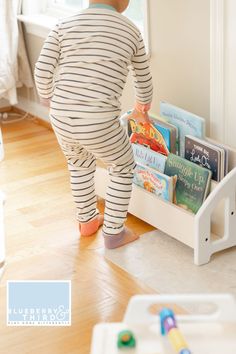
x: 14, y: 66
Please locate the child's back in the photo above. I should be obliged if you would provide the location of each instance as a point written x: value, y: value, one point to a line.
x: 93, y: 50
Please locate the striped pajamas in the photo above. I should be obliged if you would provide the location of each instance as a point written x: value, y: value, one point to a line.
x: 82, y: 68
x: 87, y: 142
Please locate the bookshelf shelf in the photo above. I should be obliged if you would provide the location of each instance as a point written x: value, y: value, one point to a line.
x: 201, y: 231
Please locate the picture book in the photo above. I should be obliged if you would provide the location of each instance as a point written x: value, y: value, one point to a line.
x: 146, y: 134
x: 165, y: 132
x: 205, y: 155
x: 193, y: 182
x: 166, y: 129
x: 155, y: 182
x: 148, y: 157
x: 186, y: 122
x: 227, y: 154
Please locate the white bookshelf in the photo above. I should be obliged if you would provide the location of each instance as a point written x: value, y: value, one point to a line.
x: 212, y: 229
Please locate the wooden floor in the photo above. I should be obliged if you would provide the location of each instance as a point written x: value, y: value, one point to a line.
x: 43, y: 243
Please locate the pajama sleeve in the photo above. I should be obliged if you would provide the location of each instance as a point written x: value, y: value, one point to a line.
x: 141, y: 74
x: 47, y: 64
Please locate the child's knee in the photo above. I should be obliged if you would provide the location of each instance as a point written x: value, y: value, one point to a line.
x: 126, y: 168
x: 82, y: 163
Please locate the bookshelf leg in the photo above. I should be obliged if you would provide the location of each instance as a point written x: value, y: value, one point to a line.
x: 200, y: 258
x: 202, y: 250
x: 204, y: 247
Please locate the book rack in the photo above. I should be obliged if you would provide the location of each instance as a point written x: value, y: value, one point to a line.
x: 212, y: 229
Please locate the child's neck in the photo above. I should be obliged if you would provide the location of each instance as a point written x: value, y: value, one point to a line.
x: 109, y: 3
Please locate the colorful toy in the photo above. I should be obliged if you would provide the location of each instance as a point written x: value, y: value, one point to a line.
x: 169, y: 328
x: 126, y: 339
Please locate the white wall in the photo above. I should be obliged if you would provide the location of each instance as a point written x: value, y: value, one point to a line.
x: 3, y: 103
x: 180, y: 56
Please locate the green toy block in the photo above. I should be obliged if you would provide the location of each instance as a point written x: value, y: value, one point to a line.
x: 126, y: 339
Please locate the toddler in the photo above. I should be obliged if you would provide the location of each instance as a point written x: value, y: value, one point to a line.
x: 81, y: 73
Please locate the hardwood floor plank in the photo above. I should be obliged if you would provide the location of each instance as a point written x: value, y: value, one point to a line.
x: 43, y: 242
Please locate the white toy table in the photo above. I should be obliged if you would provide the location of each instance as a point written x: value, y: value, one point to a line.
x: 205, y: 334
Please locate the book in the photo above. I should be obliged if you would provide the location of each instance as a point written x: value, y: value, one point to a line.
x: 193, y: 182
x: 186, y: 122
x: 144, y: 133
x: 227, y: 152
x: 168, y: 129
x: 148, y: 157
x: 205, y: 155
x: 155, y: 182
x: 147, y: 135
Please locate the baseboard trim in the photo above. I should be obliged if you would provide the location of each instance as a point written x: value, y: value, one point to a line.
x: 43, y: 123
x: 5, y: 109
x: 35, y: 119
x: 34, y: 108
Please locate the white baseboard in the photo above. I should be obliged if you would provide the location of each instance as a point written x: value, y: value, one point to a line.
x: 4, y: 103
x: 33, y: 108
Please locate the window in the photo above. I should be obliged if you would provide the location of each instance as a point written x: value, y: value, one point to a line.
x: 41, y: 15
x: 67, y: 5
x: 137, y: 12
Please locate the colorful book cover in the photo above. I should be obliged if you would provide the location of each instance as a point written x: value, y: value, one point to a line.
x: 154, y: 182
x: 187, y: 123
x: 165, y: 132
x: 148, y: 157
x: 193, y: 182
x: 146, y: 134
x: 204, y: 155
x: 169, y: 132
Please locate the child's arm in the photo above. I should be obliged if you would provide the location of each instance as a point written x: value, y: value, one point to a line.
x: 46, y: 65
x: 142, y: 78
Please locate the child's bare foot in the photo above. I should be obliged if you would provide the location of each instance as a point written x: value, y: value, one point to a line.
x: 121, y: 239
x: 91, y: 227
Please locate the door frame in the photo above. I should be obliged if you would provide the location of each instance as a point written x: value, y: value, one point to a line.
x: 217, y: 71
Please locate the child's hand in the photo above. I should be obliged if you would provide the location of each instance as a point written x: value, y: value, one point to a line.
x: 45, y: 101
x: 143, y: 108
x: 140, y: 117
x: 140, y: 112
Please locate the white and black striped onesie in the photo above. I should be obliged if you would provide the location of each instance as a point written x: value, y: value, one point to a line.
x: 83, y: 67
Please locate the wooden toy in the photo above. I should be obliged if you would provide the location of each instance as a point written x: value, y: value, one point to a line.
x: 126, y: 340
x: 169, y: 327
